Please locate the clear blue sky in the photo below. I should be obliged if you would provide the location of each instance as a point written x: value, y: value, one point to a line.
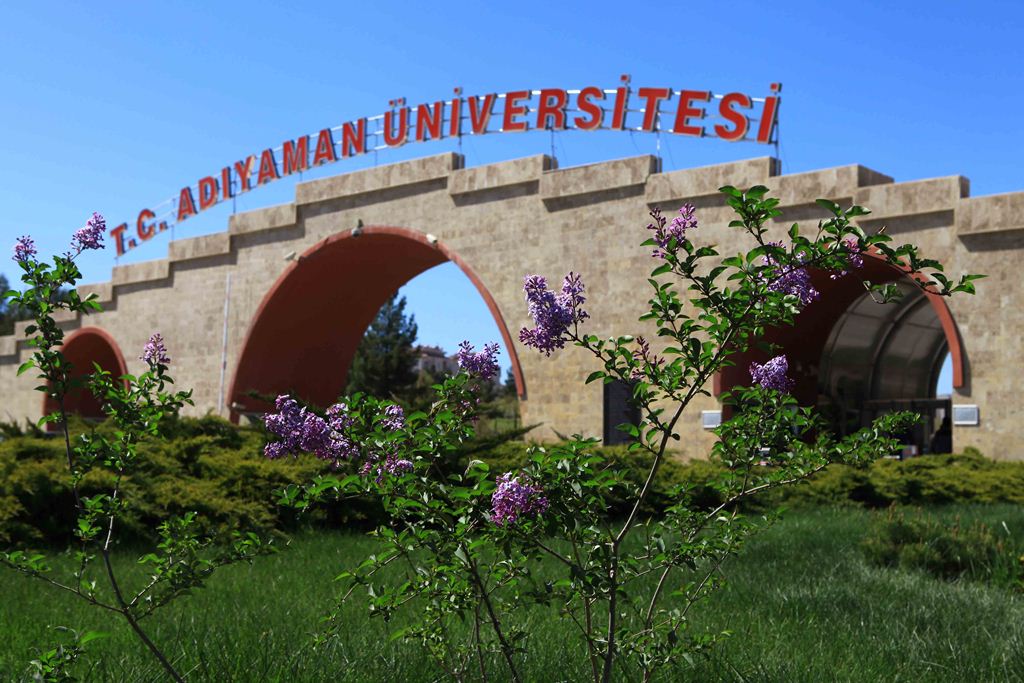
x: 115, y: 106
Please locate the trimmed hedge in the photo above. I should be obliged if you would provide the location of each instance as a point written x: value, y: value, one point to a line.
x: 205, y: 465
x: 968, y: 477
x: 212, y: 467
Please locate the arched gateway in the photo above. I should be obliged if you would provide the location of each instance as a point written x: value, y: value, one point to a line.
x: 281, y: 298
x: 350, y: 274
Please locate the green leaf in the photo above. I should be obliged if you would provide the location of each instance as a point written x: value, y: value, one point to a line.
x: 830, y: 205
x: 25, y: 366
x: 595, y: 376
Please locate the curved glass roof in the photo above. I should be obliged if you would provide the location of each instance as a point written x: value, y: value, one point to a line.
x: 884, y: 351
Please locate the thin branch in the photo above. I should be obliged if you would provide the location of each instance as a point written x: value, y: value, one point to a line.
x: 506, y: 649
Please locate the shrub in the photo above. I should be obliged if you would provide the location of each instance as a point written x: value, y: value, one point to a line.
x: 207, y: 466
x: 918, y: 541
x: 968, y: 477
x: 213, y: 467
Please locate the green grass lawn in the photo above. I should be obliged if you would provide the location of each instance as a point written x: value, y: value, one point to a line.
x: 801, y: 603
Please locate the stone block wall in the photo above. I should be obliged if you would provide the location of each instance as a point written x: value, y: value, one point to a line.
x: 527, y: 216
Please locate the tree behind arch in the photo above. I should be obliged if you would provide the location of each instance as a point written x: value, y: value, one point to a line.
x: 383, y: 363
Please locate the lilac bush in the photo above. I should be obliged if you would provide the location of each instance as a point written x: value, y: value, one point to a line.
x: 466, y: 545
x: 555, y: 316
x: 793, y: 279
x: 667, y: 236
x: 154, y: 352
x: 513, y: 500
x: 136, y: 405
x: 24, y: 249
x: 772, y: 374
x: 90, y: 236
x: 483, y: 364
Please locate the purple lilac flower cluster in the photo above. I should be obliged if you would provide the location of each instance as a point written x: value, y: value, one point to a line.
x: 389, y: 464
x: 552, y: 313
x: 483, y: 365
x: 394, y: 418
x: 514, y: 499
x: 854, y: 256
x: 24, y: 249
x: 665, y: 231
x: 301, y: 431
x: 772, y: 375
x: 794, y: 280
x: 90, y: 236
x: 643, y: 357
x: 154, y: 352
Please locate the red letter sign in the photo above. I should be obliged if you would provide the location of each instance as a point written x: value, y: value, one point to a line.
x: 244, y: 173
x: 686, y: 112
x: 144, y: 231
x: 353, y: 138
x: 392, y: 138
x: 268, y: 167
x: 296, y: 155
x: 428, y: 120
x: 551, y: 106
x: 225, y: 183
x: 117, y: 234
x: 207, y: 193
x: 584, y: 104
x: 764, y: 131
x: 738, y: 119
x: 480, y: 114
x: 514, y: 108
x: 654, y: 96
x: 324, y: 153
x: 186, y: 205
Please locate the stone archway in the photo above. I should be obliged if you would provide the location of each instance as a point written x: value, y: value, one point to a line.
x: 855, y: 359
x: 82, y: 348
x: 320, y: 307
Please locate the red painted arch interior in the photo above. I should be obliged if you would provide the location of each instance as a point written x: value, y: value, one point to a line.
x: 804, y: 342
x: 308, y: 326
x: 83, y: 347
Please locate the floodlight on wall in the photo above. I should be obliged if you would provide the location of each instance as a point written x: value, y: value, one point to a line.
x: 709, y: 419
x: 358, y: 230
x: 432, y: 239
x: 291, y: 256
x: 966, y: 416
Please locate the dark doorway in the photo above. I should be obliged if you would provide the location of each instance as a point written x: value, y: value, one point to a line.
x: 619, y: 408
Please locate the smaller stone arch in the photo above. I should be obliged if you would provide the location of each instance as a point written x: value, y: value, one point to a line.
x: 82, y: 348
x: 805, y: 341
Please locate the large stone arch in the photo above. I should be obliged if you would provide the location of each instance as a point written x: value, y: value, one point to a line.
x: 82, y: 348
x: 844, y: 346
x: 306, y: 330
